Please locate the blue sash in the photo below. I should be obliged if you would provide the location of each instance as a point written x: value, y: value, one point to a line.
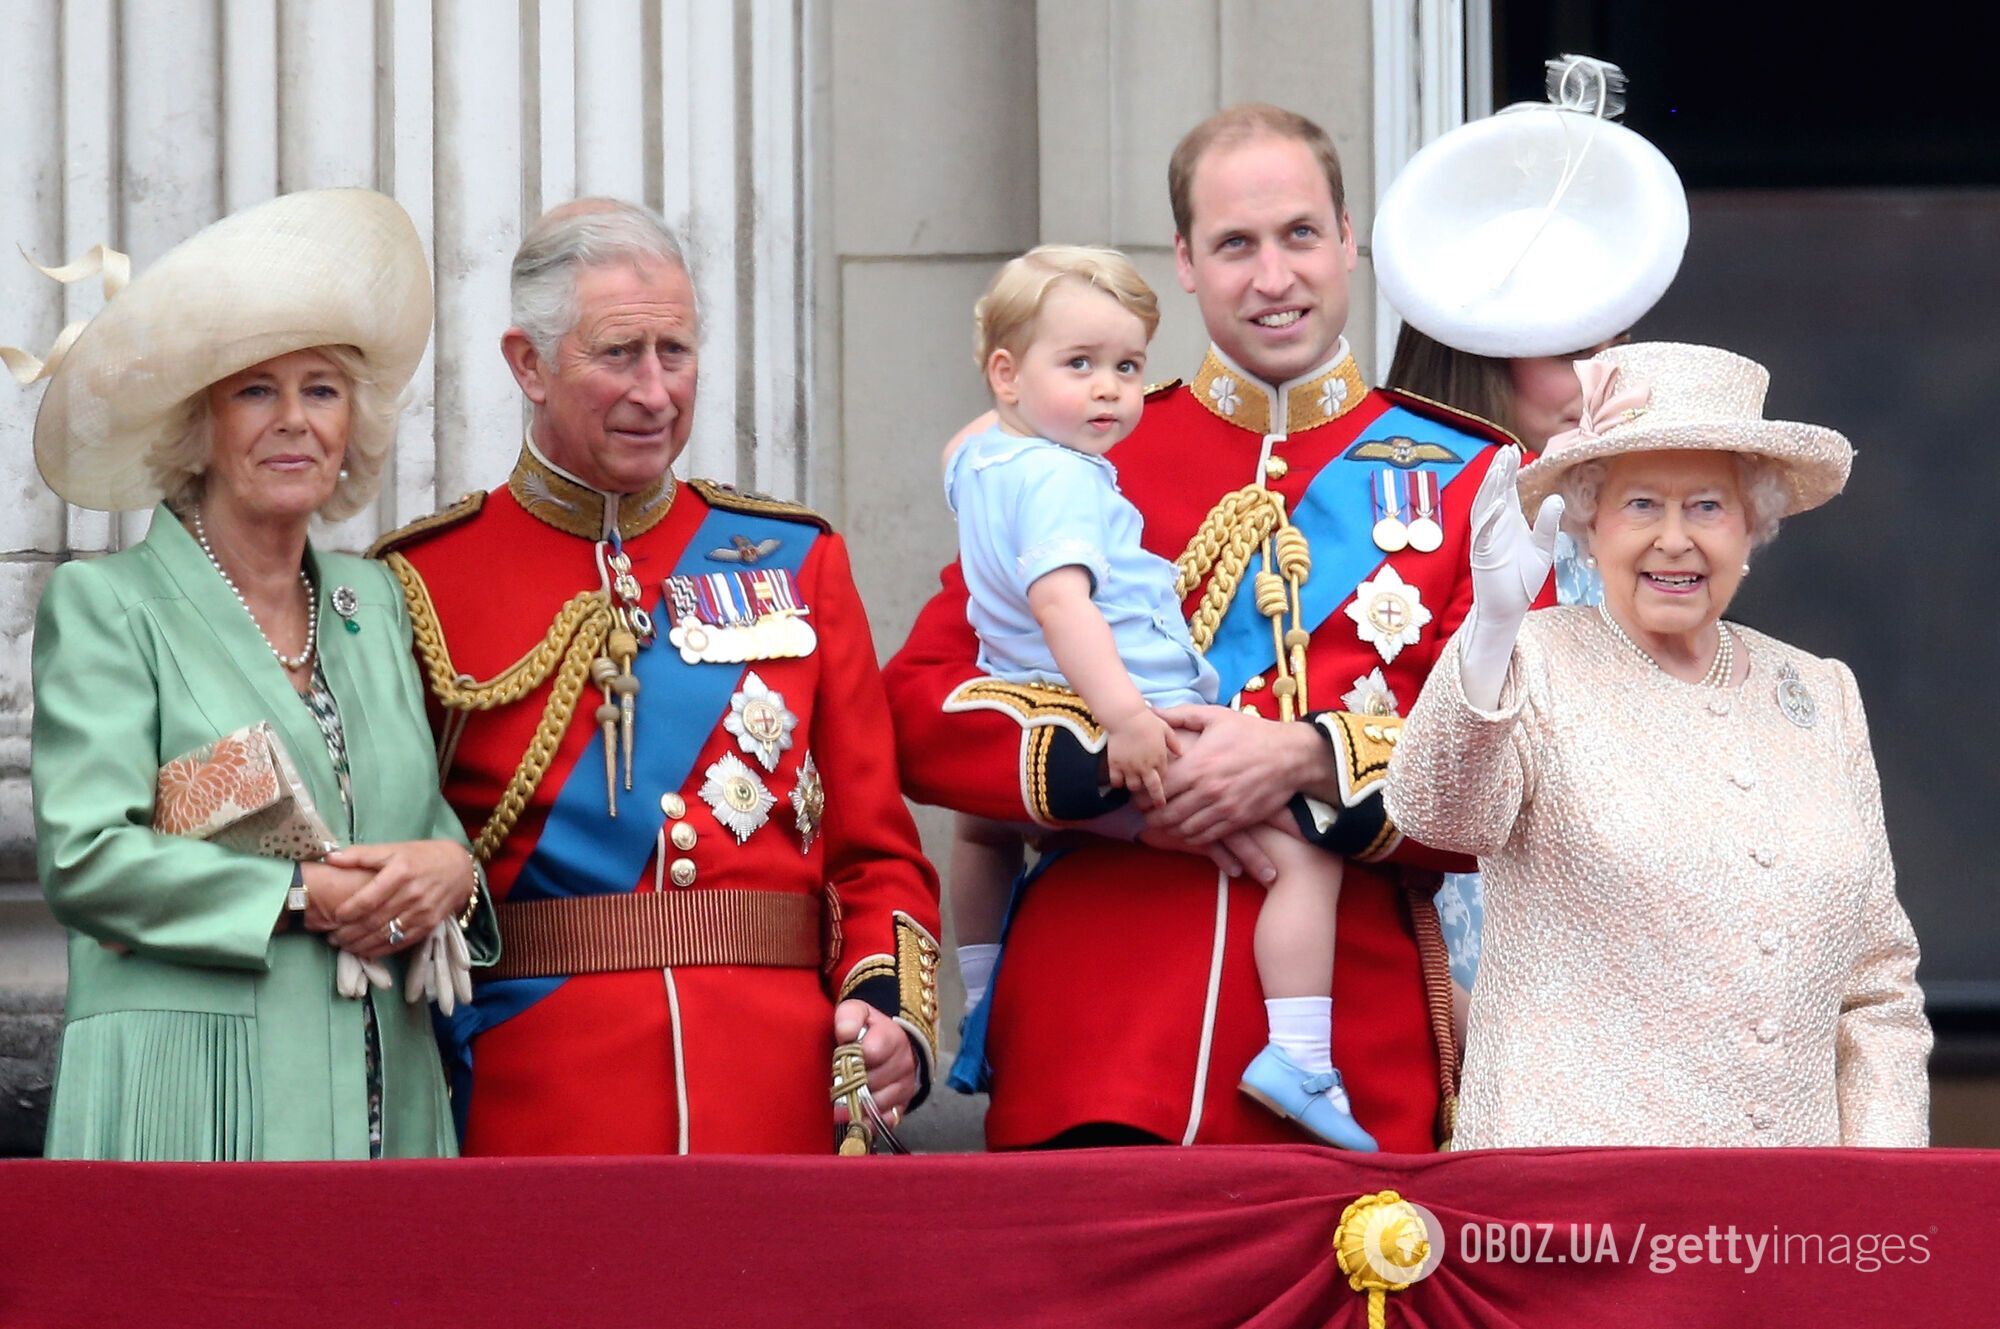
x: 584, y: 852
x: 1334, y: 515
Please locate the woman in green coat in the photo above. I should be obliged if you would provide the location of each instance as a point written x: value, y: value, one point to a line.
x: 225, y: 1004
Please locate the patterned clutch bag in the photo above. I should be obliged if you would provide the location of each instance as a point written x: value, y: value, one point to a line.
x: 242, y: 792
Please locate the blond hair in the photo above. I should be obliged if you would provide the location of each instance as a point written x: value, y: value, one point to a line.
x: 179, y: 465
x: 1004, y: 318
x: 1233, y: 125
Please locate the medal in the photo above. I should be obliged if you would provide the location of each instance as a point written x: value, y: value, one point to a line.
x: 1385, y: 500
x: 808, y: 802
x: 1388, y: 613
x: 738, y: 797
x: 1426, y: 535
x: 1794, y: 700
x: 758, y: 718
x: 1371, y: 695
x: 731, y: 617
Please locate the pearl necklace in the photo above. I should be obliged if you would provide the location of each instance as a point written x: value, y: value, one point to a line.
x: 1720, y: 671
x: 303, y: 658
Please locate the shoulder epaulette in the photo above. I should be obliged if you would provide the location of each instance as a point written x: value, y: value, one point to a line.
x: 1476, y: 425
x: 729, y: 497
x: 1161, y: 389
x: 464, y: 510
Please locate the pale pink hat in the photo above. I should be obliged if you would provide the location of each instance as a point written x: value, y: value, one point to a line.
x: 1666, y: 396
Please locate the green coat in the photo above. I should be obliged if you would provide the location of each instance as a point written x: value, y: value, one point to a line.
x: 213, y: 1038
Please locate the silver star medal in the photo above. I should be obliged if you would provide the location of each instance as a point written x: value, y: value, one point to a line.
x: 1372, y: 695
x: 1388, y: 613
x: 739, y: 798
x: 1794, y: 700
x: 758, y: 718
x: 808, y: 802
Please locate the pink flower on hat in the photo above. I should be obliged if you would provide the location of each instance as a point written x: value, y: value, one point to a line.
x: 1610, y: 398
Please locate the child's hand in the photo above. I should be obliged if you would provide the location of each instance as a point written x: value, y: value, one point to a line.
x: 1140, y: 748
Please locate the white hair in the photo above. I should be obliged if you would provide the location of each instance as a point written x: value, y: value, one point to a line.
x: 590, y: 233
x: 178, y: 465
x: 1760, y: 480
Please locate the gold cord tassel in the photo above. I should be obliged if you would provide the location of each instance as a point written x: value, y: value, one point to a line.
x: 604, y: 673
x: 624, y: 646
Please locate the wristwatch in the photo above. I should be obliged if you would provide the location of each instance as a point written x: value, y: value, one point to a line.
x: 296, y: 898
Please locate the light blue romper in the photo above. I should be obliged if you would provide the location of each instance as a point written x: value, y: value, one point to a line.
x: 1026, y: 507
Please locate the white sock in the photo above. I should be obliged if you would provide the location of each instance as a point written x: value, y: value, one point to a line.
x: 1302, y: 1028
x: 975, y: 967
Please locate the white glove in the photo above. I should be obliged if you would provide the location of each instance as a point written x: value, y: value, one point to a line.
x: 353, y: 976
x: 1510, y: 565
x: 441, y: 970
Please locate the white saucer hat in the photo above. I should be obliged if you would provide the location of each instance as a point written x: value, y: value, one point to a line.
x: 323, y: 267
x: 1541, y: 230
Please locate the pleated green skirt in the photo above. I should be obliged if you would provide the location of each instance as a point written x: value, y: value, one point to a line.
x: 166, y: 1062
x: 156, y: 1086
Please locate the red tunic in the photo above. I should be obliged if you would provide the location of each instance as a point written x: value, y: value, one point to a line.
x: 693, y: 1058
x: 1128, y: 992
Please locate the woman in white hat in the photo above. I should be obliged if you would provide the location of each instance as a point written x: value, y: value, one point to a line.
x: 224, y: 699
x: 1513, y: 247
x: 1692, y: 932
x: 1518, y: 244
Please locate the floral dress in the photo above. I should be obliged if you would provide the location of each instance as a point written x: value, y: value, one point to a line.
x: 326, y: 713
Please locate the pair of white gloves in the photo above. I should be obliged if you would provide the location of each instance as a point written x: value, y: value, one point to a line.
x: 1511, y: 562
x: 440, y: 971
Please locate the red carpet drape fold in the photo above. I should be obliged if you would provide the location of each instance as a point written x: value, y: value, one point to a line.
x: 1153, y: 1237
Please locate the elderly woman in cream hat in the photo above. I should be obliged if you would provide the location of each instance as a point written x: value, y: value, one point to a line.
x: 236, y: 808
x: 1692, y: 932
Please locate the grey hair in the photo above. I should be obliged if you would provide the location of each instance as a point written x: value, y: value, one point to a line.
x: 178, y: 464
x: 1760, y: 480
x: 589, y: 233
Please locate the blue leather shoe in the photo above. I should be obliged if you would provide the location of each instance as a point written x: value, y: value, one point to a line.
x: 1316, y: 1102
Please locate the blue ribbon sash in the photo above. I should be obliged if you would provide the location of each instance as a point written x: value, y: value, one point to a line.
x: 1333, y: 515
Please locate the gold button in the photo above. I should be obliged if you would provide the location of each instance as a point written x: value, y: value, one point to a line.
x: 681, y: 872
x: 1255, y: 684
x: 674, y: 806
x: 683, y: 836
x: 1275, y: 468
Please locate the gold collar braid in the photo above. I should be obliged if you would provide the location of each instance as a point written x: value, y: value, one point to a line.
x: 561, y: 500
x: 1318, y: 398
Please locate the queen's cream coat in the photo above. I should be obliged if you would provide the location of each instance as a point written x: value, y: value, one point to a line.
x: 1692, y: 935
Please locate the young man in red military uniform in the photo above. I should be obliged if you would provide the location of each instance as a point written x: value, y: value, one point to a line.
x: 1325, y: 535
x: 660, y: 717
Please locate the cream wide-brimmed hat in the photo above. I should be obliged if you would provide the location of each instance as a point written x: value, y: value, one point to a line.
x: 1543, y: 230
x: 1667, y: 396
x: 325, y: 267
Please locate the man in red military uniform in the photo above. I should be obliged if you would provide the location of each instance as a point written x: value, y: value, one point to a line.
x: 660, y: 717
x: 1126, y: 1002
